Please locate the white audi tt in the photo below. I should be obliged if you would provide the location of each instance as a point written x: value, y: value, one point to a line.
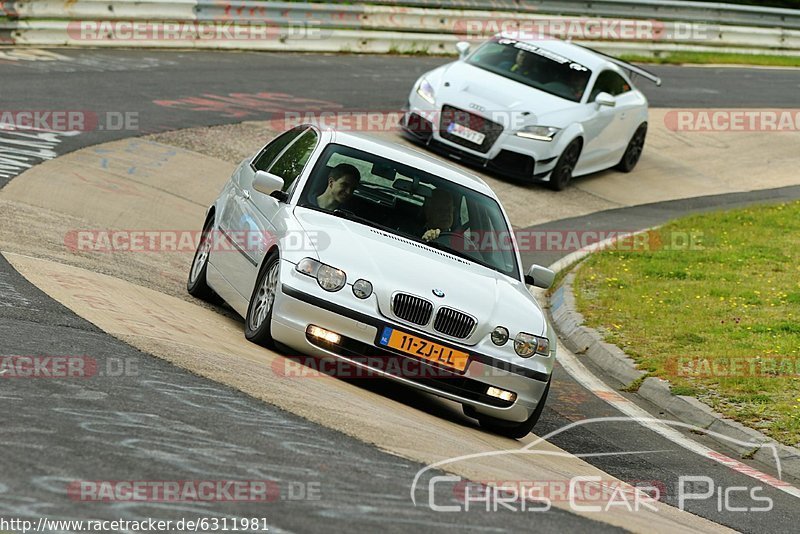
x: 543, y: 110
x: 357, y: 250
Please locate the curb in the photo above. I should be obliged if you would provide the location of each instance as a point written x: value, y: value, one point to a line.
x: 615, y: 364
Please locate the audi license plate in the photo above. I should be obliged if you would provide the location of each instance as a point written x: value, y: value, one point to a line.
x: 466, y: 133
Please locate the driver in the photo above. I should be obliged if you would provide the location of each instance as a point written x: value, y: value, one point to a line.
x: 525, y: 65
x: 439, y: 214
x: 342, y: 182
x: 576, y: 82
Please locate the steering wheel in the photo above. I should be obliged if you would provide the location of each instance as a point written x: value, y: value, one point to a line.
x: 470, y: 245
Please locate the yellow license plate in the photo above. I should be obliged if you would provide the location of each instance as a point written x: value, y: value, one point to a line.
x: 422, y: 348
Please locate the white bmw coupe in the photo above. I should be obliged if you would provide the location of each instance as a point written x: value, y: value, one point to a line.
x: 356, y: 250
x: 543, y: 110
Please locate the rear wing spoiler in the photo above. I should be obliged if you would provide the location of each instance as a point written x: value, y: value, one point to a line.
x: 633, y: 69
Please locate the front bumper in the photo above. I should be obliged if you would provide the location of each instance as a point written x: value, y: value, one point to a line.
x: 295, y: 310
x: 509, y: 155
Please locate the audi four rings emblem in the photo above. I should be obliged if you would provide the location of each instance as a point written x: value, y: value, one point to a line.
x: 477, y: 107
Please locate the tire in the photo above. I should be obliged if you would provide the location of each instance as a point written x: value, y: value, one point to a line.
x: 258, y: 322
x: 196, y: 285
x: 634, y: 151
x: 562, y: 172
x: 515, y: 430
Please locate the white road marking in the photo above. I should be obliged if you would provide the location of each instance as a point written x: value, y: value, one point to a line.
x: 22, y: 148
x: 599, y: 388
x: 588, y: 380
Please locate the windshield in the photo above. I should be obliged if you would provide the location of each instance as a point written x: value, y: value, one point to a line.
x: 406, y: 201
x: 533, y: 66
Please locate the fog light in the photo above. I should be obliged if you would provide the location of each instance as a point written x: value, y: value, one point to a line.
x: 501, y: 394
x: 325, y: 335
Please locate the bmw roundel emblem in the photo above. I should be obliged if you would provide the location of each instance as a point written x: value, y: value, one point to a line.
x: 438, y: 292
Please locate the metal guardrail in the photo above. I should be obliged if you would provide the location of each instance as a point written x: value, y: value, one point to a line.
x: 663, y: 10
x: 672, y: 10
x: 381, y: 28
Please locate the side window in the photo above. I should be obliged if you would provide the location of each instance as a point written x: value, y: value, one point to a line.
x: 290, y: 164
x: 609, y: 82
x: 268, y: 154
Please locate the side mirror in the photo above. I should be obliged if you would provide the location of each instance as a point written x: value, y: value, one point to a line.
x: 463, y: 49
x: 540, y: 276
x: 267, y: 183
x: 605, y: 99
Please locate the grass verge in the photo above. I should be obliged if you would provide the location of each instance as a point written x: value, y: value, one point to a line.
x: 710, y: 58
x: 712, y: 304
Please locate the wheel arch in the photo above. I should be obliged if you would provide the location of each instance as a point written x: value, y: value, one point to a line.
x: 568, y: 135
x: 273, y: 249
x: 581, y: 142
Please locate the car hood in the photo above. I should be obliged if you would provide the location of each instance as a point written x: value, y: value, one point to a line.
x: 472, y: 85
x: 393, y: 263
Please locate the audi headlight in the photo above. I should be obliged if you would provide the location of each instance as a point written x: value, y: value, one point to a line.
x: 329, y: 278
x: 540, y: 133
x: 425, y: 90
x: 526, y: 345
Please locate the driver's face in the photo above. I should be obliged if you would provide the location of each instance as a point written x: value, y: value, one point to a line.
x: 342, y: 189
x: 439, y: 211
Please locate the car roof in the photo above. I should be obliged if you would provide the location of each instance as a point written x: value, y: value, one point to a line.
x: 411, y: 157
x: 578, y: 54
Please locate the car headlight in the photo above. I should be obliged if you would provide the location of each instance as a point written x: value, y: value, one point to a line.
x: 540, y: 133
x: 500, y: 336
x: 329, y: 278
x: 527, y: 344
x: 425, y: 90
x: 362, y: 288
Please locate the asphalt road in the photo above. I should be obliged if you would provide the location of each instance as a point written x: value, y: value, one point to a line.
x: 149, y: 420
x: 165, y: 423
x: 170, y: 90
